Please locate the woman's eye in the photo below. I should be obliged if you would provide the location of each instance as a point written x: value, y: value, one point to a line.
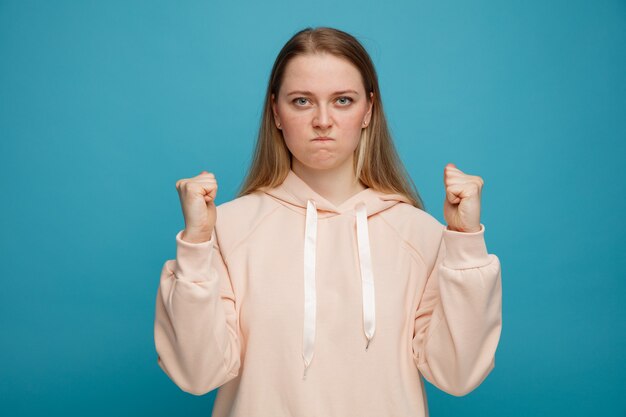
x: 300, y: 101
x: 349, y: 100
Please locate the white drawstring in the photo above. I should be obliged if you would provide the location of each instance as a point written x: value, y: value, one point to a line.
x: 310, y: 237
x: 367, y: 274
x: 367, y: 279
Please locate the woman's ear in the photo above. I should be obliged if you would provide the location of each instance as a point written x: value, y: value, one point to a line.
x: 276, y: 119
x: 368, y: 115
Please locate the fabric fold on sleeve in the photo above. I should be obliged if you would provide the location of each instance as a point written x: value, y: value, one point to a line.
x: 465, y: 250
x: 459, y: 317
x: 196, y: 323
x: 193, y: 260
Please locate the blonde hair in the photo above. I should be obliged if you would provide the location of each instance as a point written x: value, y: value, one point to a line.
x: 376, y: 161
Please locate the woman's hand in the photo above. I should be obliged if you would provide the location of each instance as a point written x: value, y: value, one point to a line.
x: 461, y: 207
x: 197, y: 199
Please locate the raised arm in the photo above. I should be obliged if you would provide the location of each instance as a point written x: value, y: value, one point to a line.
x: 196, y: 329
x: 459, y: 318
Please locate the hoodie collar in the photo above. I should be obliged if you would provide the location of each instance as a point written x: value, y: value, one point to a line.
x: 295, y: 193
x: 299, y: 196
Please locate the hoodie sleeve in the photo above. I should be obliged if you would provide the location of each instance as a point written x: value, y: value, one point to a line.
x: 196, y: 328
x: 459, y: 318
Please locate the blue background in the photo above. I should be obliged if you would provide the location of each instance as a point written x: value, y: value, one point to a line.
x: 104, y: 105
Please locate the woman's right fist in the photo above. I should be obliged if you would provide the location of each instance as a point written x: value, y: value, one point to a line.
x: 197, y: 199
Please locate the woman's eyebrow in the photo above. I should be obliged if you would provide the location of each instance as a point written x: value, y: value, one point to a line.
x: 310, y: 94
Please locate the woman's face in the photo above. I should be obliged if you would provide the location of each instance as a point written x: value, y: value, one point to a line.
x: 322, y: 96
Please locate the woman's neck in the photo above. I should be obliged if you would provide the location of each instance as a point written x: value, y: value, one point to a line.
x: 335, y: 185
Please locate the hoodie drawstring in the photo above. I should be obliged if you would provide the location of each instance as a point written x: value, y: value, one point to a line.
x: 367, y: 279
x: 310, y: 238
x: 367, y: 274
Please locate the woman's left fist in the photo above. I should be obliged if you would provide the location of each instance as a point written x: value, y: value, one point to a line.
x: 461, y: 208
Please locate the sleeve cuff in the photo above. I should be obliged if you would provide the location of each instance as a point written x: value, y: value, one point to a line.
x: 193, y: 260
x: 465, y: 249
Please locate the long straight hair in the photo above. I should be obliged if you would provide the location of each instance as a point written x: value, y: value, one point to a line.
x: 376, y: 161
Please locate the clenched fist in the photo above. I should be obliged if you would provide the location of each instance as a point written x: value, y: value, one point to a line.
x: 197, y: 199
x: 462, y: 204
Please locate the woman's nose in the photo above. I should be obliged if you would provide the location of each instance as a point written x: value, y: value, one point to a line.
x: 322, y: 118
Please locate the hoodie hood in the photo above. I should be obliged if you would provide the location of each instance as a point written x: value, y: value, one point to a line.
x: 299, y: 196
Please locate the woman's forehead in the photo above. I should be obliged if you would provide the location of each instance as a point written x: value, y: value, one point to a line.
x: 321, y: 73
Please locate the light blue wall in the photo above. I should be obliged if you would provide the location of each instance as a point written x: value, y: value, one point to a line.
x: 104, y: 105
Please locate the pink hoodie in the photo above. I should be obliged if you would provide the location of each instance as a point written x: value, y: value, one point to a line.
x: 297, y: 307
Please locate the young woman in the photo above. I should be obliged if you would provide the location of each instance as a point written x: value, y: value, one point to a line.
x: 324, y: 288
